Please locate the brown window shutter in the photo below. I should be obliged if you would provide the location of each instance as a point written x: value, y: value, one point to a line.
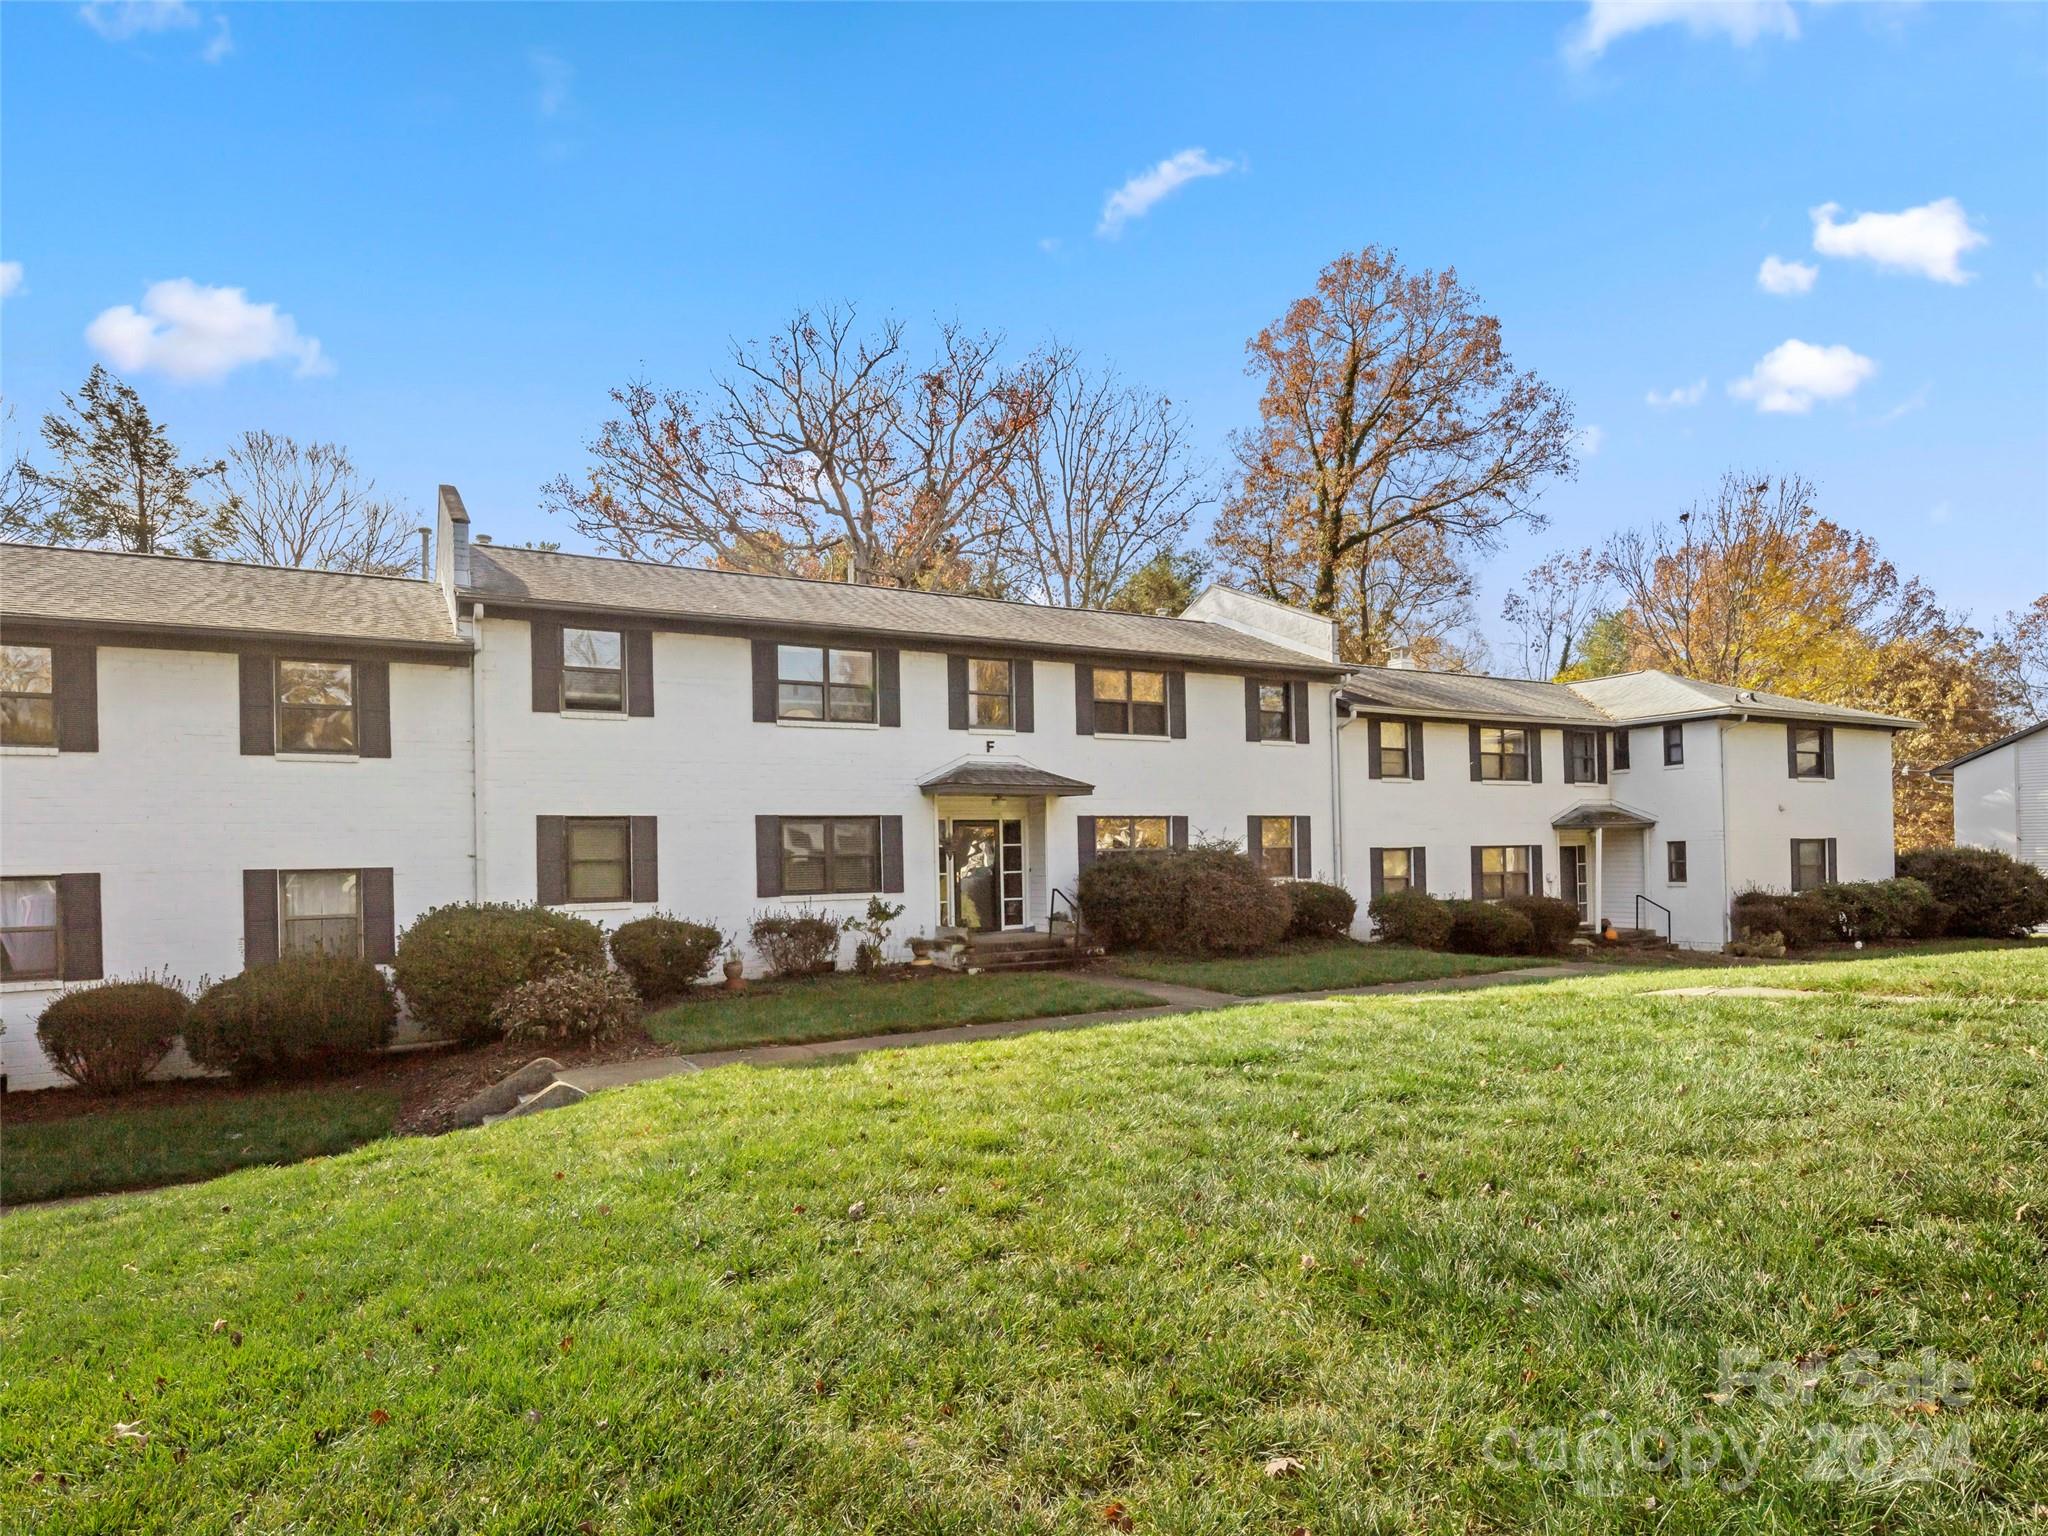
x: 1301, y: 714
x: 1827, y: 751
x: 1254, y: 835
x: 889, y: 685
x: 1476, y: 871
x: 1177, y: 704
x: 78, y: 927
x: 639, y: 671
x: 1600, y: 754
x: 1024, y: 709
x: 643, y: 859
x: 1084, y: 702
x: 259, y: 707
x: 1251, y: 709
x: 956, y: 693
x: 550, y: 860
x: 1084, y: 831
x: 546, y: 638
x: 892, y: 853
x: 1535, y: 756
x: 373, y: 709
x: 1377, y: 870
x: 380, y: 916
x: 1304, y: 855
x: 259, y: 918
x: 1414, y: 749
x: 1535, y: 869
x: 1475, y: 752
x: 1372, y: 747
x: 764, y: 682
x: 1833, y: 876
x: 1418, y: 870
x: 1177, y: 832
x: 767, y: 855
x: 75, y: 677
x: 1570, y: 773
x: 1791, y: 751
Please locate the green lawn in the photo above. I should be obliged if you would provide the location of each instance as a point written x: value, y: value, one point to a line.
x: 1071, y: 1280
x: 841, y: 1007
x: 118, y: 1147
x: 1314, y: 965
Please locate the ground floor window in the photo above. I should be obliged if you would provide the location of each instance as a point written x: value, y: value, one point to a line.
x: 319, y: 912
x: 28, y: 930
x: 599, y: 859
x: 1503, y: 872
x: 1810, y: 863
x: 831, y: 855
x: 1128, y: 834
x: 1396, y: 870
x: 1275, y: 852
x: 1674, y: 863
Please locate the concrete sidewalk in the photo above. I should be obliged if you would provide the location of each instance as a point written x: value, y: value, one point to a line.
x: 1172, y: 999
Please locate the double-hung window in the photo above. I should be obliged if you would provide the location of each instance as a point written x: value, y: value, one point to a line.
x: 1674, y: 745
x: 320, y: 912
x: 1674, y: 862
x: 316, y: 706
x: 817, y: 682
x: 29, y: 950
x: 1129, y: 703
x: 1397, y: 869
x: 1621, y: 749
x: 1394, y: 758
x: 1504, y: 754
x: 1810, y: 752
x: 1809, y: 863
x: 991, y: 704
x: 828, y: 855
x: 1129, y: 834
x: 28, y: 696
x: 1503, y: 872
x: 1275, y: 852
x: 598, y: 859
x: 593, y: 671
x: 1584, y: 748
x: 1276, y: 712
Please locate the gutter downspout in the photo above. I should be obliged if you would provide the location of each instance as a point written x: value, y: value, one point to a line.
x: 476, y: 751
x: 1337, y: 790
x: 1721, y: 768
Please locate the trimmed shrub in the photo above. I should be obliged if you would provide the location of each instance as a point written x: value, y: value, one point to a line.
x: 1553, y: 922
x: 1411, y: 917
x: 569, y: 1005
x: 1878, y: 910
x: 456, y: 962
x: 1489, y: 928
x: 1801, y: 921
x: 1198, y: 901
x: 305, y: 1014
x: 110, y: 1036
x: 1989, y: 895
x: 1321, y: 910
x: 799, y: 943
x: 664, y: 954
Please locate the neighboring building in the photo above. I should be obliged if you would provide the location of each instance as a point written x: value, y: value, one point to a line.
x: 2001, y: 795
x: 204, y: 765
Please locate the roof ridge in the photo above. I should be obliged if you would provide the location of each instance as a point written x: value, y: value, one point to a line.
x: 239, y: 565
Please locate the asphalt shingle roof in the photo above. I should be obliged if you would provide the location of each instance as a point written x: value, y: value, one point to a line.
x: 107, y: 587
x: 1653, y: 695
x: 1468, y: 696
x: 1002, y: 775
x: 552, y: 579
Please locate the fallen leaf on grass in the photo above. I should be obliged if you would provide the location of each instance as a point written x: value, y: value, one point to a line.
x: 379, y: 1416
x: 1117, y: 1517
x: 1282, y: 1466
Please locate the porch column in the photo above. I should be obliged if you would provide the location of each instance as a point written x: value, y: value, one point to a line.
x: 1599, y: 864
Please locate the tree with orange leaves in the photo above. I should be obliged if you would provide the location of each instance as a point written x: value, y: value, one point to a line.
x: 1388, y: 408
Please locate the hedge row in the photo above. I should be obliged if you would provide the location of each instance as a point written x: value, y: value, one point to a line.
x: 1938, y: 893
x: 1520, y: 925
x: 1204, y: 901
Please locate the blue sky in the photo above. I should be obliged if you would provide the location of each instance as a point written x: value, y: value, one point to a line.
x: 471, y: 220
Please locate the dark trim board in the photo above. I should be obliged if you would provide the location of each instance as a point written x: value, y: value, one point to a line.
x: 231, y: 642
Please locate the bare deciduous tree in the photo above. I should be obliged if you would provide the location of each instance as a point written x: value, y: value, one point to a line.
x: 1554, y: 608
x: 1100, y: 485
x: 306, y: 505
x: 826, y: 451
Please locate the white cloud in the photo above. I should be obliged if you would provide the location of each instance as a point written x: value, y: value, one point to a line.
x: 1786, y: 277
x: 1590, y: 439
x: 1684, y: 394
x: 1740, y: 21
x: 119, y: 20
x: 190, y: 331
x: 1049, y: 244
x: 554, y: 83
x: 10, y: 279
x: 1791, y: 376
x: 221, y: 44
x: 1929, y: 240
x: 1136, y: 197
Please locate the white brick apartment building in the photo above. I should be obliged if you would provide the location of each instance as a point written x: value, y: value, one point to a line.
x: 204, y: 763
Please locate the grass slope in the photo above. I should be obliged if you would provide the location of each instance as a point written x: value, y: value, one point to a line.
x: 844, y: 1006
x: 122, y: 1148
x: 1084, y: 1281
x: 1314, y: 966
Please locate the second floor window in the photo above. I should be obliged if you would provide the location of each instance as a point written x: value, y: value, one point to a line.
x: 815, y: 682
x: 1129, y: 834
x: 1674, y: 863
x: 831, y: 854
x: 1503, y: 872
x: 1674, y: 745
x: 28, y: 930
x: 319, y: 912
x: 598, y: 859
x: 1810, y: 752
x: 1276, y: 713
x: 989, y: 700
x: 1504, y: 754
x: 594, y: 670
x: 1394, y: 749
x: 1129, y: 703
x: 28, y: 696
x: 1621, y: 749
x: 1585, y: 751
x: 316, y: 706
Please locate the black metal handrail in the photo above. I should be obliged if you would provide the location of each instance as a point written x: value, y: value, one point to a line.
x: 1073, y: 910
x: 1661, y: 908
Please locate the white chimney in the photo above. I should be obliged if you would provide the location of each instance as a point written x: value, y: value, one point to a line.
x: 1401, y: 659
